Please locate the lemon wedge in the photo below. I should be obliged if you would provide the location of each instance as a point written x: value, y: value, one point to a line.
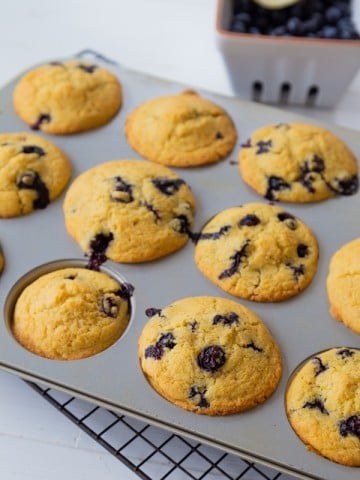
x: 275, y: 4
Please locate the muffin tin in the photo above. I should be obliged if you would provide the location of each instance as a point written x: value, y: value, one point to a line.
x: 38, y: 243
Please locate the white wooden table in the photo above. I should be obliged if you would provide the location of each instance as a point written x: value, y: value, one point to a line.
x: 167, y: 38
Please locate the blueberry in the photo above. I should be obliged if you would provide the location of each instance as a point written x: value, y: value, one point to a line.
x: 254, y: 31
x: 211, y: 235
x: 181, y: 224
x: 294, y: 26
x: 153, y: 210
x: 33, y: 149
x: 244, y: 17
x: 247, y: 144
x: 30, y: 180
x: 193, y: 326
x: 333, y: 15
x: 122, y: 191
x: 109, y: 305
x: 43, y: 118
x: 126, y: 291
x: 307, y: 178
x: 151, y: 312
x: 316, y: 404
x: 203, y: 403
x: 27, y: 179
x: 236, y: 261
x: 345, y: 23
x: 344, y: 8
x: 219, y: 136
x: 167, y: 186
x: 307, y: 181
x: 346, y: 34
x: 166, y: 340
x: 316, y: 164
x: 315, y: 21
x: 238, y: 26
x: 349, y: 186
x: 98, y: 247
x: 297, y: 270
x: 276, y: 184
x: 345, y: 353
x: 101, y: 241
x: 201, y: 391
x: 278, y: 31
x: 87, y: 68
x: 302, y: 250
x: 211, y: 358
x: 253, y: 347
x: 319, y: 366
x: 350, y: 426
x: 249, y: 220
x: 329, y: 32
x: 263, y: 146
x: 154, y: 351
x: 288, y: 219
x: 228, y: 319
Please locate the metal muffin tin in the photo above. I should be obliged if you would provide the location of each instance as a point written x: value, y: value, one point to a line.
x: 113, y: 379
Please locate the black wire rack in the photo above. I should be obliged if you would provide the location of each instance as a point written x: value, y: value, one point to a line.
x: 151, y: 452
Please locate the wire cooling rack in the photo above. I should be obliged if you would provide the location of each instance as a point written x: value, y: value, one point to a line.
x: 151, y: 452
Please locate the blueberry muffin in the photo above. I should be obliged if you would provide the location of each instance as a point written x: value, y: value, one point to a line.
x: 323, y: 404
x: 33, y: 172
x: 129, y: 211
x: 183, y: 130
x: 209, y: 355
x: 67, y: 97
x: 71, y: 313
x: 297, y: 162
x: 259, y: 252
x: 343, y: 285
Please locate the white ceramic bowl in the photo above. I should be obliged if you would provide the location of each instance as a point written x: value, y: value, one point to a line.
x: 285, y: 69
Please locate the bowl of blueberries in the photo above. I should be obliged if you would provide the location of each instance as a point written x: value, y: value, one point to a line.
x: 290, y: 51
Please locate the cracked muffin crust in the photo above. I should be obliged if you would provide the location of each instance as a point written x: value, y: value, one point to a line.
x: 33, y: 172
x: 323, y: 404
x: 71, y: 313
x: 67, y: 97
x: 209, y: 355
x: 259, y: 252
x: 343, y: 285
x: 129, y: 211
x: 183, y: 130
x: 297, y: 162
